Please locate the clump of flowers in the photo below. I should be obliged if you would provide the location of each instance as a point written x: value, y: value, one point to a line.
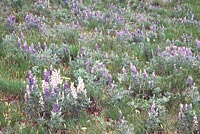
x: 187, y: 119
x: 32, y: 21
x: 140, y: 82
x: 52, y: 100
x: 11, y: 22
x: 123, y: 125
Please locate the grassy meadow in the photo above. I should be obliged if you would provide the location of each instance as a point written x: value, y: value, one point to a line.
x: 100, y: 66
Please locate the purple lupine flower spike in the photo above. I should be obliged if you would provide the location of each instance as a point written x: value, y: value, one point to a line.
x: 31, y: 78
x: 32, y: 48
x: 110, y: 79
x: 47, y: 93
x: 120, y: 116
x: 66, y: 86
x: 153, y: 76
x: 55, y: 108
x: 190, y: 81
x: 25, y: 47
x: 88, y: 66
x: 46, y: 75
x: 39, y: 47
x: 105, y: 73
x: 133, y: 69
x: 22, y: 35
x: 19, y: 43
x: 96, y: 47
x: 153, y: 108
x: 45, y: 46
x: 56, y: 91
x: 145, y: 75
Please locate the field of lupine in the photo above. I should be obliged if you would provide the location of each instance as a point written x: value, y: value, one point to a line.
x: 99, y: 66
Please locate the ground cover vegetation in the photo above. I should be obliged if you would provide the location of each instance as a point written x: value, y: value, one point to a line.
x: 100, y: 66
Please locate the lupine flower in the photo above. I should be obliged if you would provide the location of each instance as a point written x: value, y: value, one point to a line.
x: 105, y: 72
x: 11, y: 20
x: 153, y: 108
x: 120, y: 116
x: 133, y: 69
x: 81, y: 85
x: 73, y: 91
x: 83, y: 51
x: 46, y: 75
x: 145, y: 75
x: 190, y: 81
x: 94, y: 69
x: 31, y: 78
x: 88, y: 66
x: 159, y: 50
x: 55, y: 78
x: 124, y: 70
x: 41, y: 102
x: 39, y: 47
x: 27, y: 93
x: 96, y: 47
x: 22, y: 35
x: 31, y: 48
x: 19, y: 43
x: 66, y: 86
x: 153, y: 76
x: 25, y: 47
x: 45, y: 85
x: 195, y: 122
x: 55, y: 89
x: 110, y: 79
x: 197, y: 43
x: 47, y: 93
x: 45, y: 46
x: 55, y: 107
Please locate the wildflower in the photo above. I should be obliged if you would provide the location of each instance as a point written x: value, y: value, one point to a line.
x: 19, y: 42
x: 47, y: 93
x: 83, y: 51
x: 55, y: 78
x: 31, y: 78
x: 88, y: 66
x: 27, y: 93
x: 153, y: 108
x: 25, y: 47
x: 46, y: 75
x: 31, y: 48
x: 41, y: 102
x: 55, y: 107
x: 45, y: 46
x: 66, y: 86
x: 159, y: 50
x: 73, y: 91
x: 105, y: 73
x: 120, y: 116
x: 81, y: 85
x: 145, y: 75
x: 110, y: 79
x: 55, y: 89
x: 133, y: 69
x: 190, y: 79
x: 39, y: 47
x: 45, y: 85
x: 124, y: 70
x: 153, y: 76
x: 96, y: 47
x: 195, y: 122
